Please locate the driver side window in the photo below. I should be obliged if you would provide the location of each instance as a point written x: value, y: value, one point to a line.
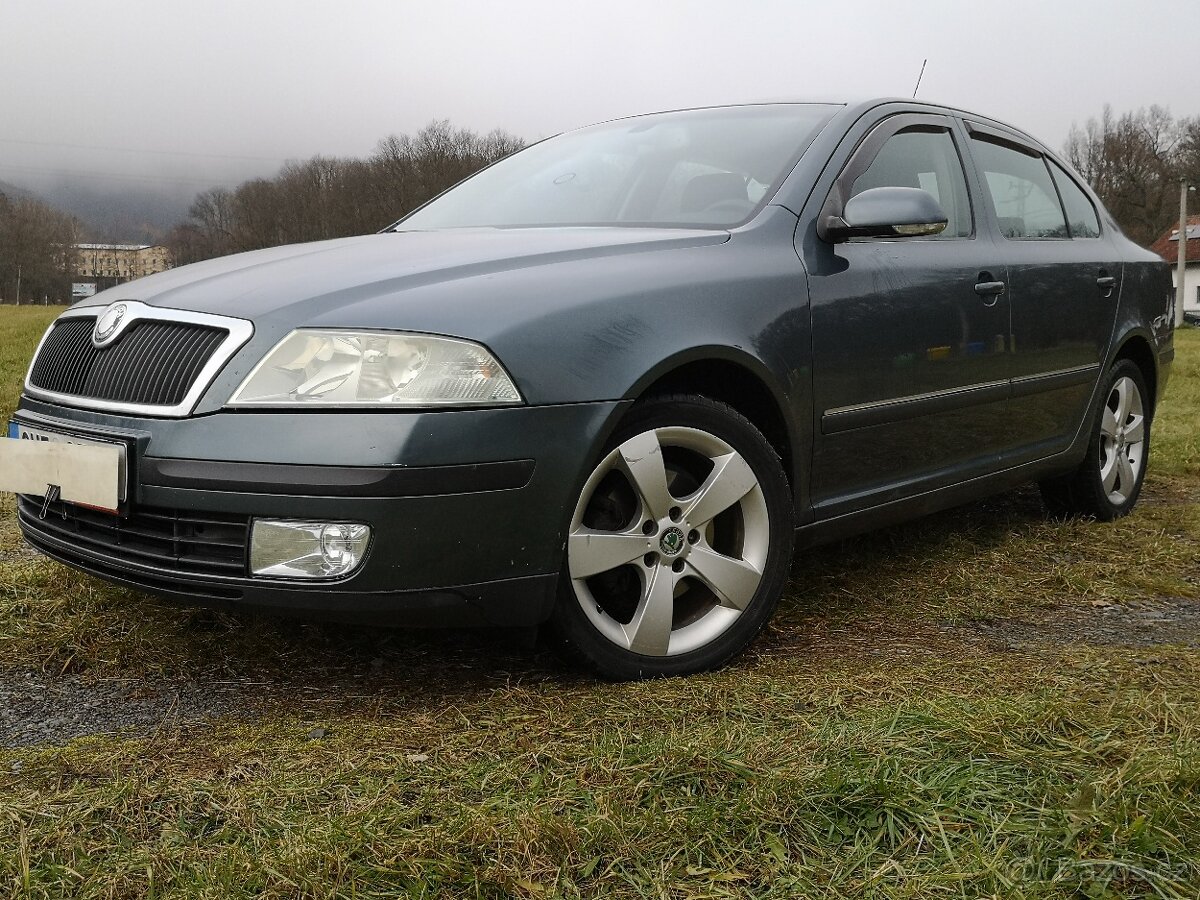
x: 923, y: 157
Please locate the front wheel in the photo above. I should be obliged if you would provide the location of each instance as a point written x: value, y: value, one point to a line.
x: 1107, y: 483
x: 679, y: 545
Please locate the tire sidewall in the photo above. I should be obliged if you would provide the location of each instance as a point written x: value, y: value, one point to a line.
x: 616, y: 663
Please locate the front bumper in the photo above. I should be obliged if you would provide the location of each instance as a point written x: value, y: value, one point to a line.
x: 468, y: 509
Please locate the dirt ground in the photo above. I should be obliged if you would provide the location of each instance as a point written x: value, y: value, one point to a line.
x: 39, y: 708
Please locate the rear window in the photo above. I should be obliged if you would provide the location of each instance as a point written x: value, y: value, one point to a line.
x: 1081, y: 215
x: 1022, y: 193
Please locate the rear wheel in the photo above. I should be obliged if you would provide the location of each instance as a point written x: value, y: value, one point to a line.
x: 1108, y: 481
x: 679, y: 544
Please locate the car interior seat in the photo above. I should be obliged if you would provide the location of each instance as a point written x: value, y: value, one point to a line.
x: 704, y: 191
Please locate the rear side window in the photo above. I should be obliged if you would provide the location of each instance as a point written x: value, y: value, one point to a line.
x: 923, y: 157
x: 1081, y: 215
x: 1023, y: 195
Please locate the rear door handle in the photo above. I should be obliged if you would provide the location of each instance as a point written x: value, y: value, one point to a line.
x: 1106, y: 282
x: 989, y: 288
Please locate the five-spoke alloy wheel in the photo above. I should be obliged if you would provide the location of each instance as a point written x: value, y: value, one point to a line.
x: 679, y: 543
x: 1122, y: 440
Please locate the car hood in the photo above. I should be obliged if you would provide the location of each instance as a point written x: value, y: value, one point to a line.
x: 303, y: 282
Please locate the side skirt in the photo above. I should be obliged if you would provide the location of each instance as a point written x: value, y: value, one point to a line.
x: 906, y: 508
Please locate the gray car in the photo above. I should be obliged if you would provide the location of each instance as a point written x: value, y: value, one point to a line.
x: 609, y: 382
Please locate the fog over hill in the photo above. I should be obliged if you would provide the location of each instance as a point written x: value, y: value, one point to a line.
x: 126, y: 214
x: 121, y: 193
x: 124, y: 206
x: 12, y: 191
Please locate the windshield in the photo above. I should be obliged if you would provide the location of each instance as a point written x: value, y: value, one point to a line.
x: 698, y: 168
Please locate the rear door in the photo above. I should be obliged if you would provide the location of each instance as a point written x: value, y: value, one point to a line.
x: 1063, y: 284
x: 910, y: 335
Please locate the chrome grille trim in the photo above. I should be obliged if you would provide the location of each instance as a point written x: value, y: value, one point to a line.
x: 239, y: 332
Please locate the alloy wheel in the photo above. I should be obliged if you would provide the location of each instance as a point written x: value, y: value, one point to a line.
x: 1122, y: 440
x: 669, y: 541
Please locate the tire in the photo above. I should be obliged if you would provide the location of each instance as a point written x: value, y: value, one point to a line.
x: 1107, y: 483
x: 679, y: 545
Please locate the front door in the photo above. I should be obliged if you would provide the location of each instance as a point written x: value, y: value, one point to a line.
x: 910, y: 335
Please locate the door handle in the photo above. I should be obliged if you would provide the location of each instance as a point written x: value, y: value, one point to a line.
x: 984, y: 288
x: 1106, y: 283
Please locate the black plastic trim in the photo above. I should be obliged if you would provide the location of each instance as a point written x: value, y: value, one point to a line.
x: 902, y: 408
x: 342, y: 481
x: 1053, y: 381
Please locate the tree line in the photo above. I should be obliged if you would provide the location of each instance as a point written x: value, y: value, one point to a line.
x: 1134, y: 162
x: 327, y: 197
x: 37, y: 251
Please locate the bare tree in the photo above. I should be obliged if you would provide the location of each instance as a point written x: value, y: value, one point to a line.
x: 1189, y: 150
x: 1133, y: 162
x: 417, y: 169
x: 212, y: 214
x: 37, y: 251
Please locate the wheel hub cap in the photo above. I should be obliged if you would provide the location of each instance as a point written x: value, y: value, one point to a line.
x: 671, y: 542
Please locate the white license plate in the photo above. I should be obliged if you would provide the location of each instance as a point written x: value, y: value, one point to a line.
x: 87, y: 471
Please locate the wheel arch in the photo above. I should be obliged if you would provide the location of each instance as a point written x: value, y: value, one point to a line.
x: 1137, y: 348
x: 738, y: 380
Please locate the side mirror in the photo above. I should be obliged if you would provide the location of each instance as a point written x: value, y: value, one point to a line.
x: 886, y: 212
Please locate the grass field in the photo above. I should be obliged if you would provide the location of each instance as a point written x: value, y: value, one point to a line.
x: 984, y: 703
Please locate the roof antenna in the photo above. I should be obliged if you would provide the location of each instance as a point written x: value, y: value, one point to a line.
x: 919, y: 77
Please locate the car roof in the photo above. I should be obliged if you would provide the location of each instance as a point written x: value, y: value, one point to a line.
x: 854, y: 107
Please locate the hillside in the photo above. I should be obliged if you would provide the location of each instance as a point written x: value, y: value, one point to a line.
x: 11, y: 190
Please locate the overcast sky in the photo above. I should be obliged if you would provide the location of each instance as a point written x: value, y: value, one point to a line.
x: 263, y: 81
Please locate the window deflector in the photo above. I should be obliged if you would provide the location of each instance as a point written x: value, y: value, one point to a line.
x: 1003, y: 138
x: 865, y: 154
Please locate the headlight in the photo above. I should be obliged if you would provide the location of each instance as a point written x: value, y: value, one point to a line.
x: 375, y: 368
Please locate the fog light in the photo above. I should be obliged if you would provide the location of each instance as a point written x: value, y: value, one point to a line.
x: 287, y: 549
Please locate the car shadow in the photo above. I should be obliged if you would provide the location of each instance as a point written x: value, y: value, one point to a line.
x: 286, y: 658
x: 190, y: 666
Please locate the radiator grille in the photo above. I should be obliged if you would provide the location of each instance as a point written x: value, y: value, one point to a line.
x: 154, y: 363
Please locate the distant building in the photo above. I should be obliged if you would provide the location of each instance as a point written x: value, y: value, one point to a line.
x: 1167, y: 247
x: 101, y: 266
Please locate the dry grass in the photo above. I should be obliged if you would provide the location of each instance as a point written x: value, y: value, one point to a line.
x: 21, y: 327
x: 884, y: 739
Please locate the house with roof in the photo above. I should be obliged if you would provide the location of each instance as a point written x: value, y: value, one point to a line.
x: 1167, y: 246
x: 100, y: 266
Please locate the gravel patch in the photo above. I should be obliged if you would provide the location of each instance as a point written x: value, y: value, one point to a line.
x: 19, y: 555
x: 39, y: 709
x: 1141, y: 623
